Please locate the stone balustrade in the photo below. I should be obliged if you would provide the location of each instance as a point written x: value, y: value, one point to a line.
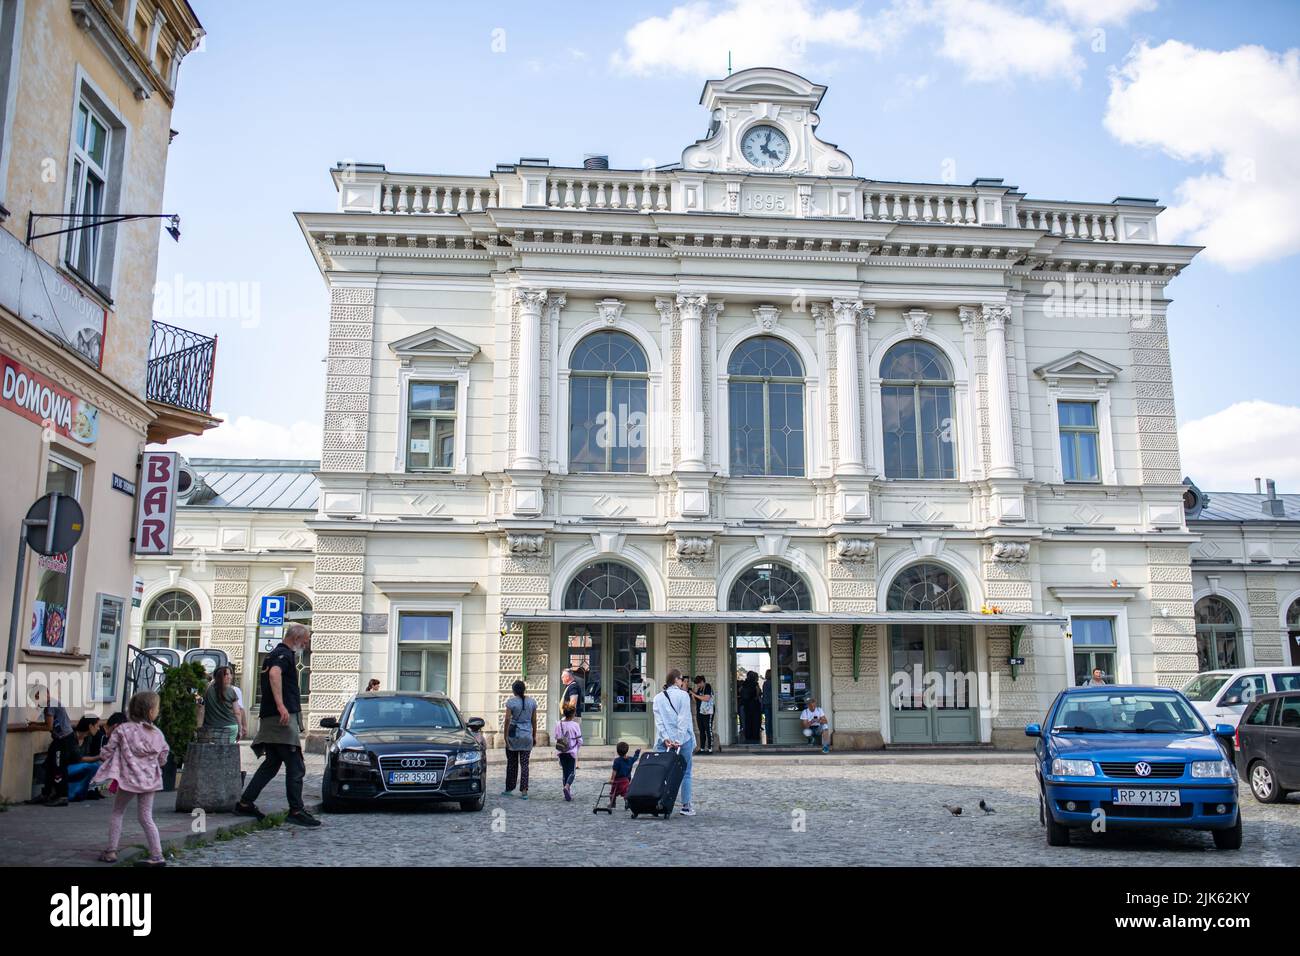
x: 437, y: 197
x: 1072, y: 223
x: 914, y: 204
x: 630, y: 193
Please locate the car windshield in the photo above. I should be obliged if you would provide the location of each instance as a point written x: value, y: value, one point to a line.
x: 1139, y: 712
x: 1203, y: 687
x: 402, y: 713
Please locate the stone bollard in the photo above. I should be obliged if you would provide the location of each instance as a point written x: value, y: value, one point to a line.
x: 211, y: 779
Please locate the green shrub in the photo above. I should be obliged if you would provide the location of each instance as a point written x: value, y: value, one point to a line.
x: 178, y: 711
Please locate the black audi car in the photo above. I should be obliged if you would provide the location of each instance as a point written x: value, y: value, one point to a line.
x: 395, y: 745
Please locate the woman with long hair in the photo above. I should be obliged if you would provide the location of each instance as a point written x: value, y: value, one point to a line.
x: 519, y: 725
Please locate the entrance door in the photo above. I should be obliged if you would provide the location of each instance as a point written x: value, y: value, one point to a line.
x: 934, y: 694
x: 611, y: 662
x: 782, y: 657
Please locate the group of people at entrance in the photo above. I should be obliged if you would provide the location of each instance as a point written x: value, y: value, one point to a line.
x: 754, y: 714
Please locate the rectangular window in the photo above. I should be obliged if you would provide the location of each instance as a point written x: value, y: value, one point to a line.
x: 431, y: 426
x: 1079, y: 434
x: 49, y: 623
x: 1094, y: 647
x: 90, y: 180
x: 423, y: 652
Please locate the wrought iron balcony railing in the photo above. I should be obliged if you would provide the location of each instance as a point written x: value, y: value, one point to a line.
x: 181, y: 364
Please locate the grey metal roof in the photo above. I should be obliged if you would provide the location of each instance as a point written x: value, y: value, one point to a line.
x: 263, y: 484
x: 1237, y: 506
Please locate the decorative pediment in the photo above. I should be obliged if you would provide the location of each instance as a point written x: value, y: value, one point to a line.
x: 1078, y: 368
x: 434, y: 343
x: 764, y: 96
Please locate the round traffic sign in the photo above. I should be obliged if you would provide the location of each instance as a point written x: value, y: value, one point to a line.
x: 53, y: 525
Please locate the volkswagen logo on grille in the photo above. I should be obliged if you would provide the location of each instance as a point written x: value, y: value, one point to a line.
x: 1143, y: 769
x: 412, y: 762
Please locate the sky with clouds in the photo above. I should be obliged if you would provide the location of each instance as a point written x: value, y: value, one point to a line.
x: 1195, y: 103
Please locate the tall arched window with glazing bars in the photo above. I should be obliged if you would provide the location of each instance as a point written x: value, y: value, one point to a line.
x: 917, y: 417
x: 608, y: 429
x: 765, y: 389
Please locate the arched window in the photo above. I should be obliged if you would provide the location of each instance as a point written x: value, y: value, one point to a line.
x: 173, y: 620
x: 607, y: 586
x: 1216, y: 634
x: 607, y: 404
x: 770, y: 583
x: 925, y: 587
x: 765, y: 401
x: 916, y: 396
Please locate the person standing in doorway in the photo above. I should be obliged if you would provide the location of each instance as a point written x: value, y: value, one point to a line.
x: 769, y: 727
x: 704, y: 709
x: 751, y: 708
x: 279, y: 741
x: 572, y: 693
x: 672, y: 710
x: 520, y: 727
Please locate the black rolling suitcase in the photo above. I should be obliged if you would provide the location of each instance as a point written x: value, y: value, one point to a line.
x: 654, y: 786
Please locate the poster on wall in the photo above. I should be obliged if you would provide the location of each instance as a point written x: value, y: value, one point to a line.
x: 49, y: 626
x: 109, y: 611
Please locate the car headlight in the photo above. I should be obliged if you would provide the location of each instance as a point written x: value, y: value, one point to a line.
x: 468, y: 756
x: 1211, y: 768
x: 359, y: 757
x: 1073, y: 768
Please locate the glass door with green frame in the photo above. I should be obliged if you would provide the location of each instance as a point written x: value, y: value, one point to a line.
x: 611, y: 663
x: 782, y: 657
x: 934, y: 694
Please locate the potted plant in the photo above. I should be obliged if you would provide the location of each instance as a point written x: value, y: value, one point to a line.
x: 178, y: 713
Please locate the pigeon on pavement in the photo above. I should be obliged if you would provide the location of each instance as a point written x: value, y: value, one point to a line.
x: 986, y: 808
x: 955, y: 811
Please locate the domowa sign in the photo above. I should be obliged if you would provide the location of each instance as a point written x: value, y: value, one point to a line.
x: 751, y: 412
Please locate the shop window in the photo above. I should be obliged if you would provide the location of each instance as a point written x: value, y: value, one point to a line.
x: 54, y: 574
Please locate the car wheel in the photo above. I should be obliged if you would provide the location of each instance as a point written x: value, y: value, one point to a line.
x: 472, y: 806
x: 1263, y: 783
x: 328, y: 802
x: 1058, y: 834
x: 1229, y: 839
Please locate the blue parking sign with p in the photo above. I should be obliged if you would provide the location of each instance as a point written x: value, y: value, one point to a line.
x: 272, y: 614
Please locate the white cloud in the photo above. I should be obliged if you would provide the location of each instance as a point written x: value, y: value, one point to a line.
x: 989, y: 40
x: 1228, y: 450
x: 1093, y: 13
x: 1238, y: 110
x: 994, y: 43
x: 695, y: 38
x: 246, y: 437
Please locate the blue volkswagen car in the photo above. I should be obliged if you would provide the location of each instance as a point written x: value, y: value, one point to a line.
x: 1133, y: 757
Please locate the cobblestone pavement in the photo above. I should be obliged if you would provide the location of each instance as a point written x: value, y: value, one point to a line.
x: 853, y: 814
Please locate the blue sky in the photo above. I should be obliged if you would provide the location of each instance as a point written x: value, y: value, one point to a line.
x: 1067, y: 99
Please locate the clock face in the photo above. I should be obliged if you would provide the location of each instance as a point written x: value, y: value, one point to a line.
x: 765, y: 147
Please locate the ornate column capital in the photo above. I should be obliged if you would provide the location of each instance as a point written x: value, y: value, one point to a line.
x: 692, y: 304
x: 554, y: 303
x: 846, y: 310
x: 967, y: 314
x: 609, y: 311
x: 996, y: 317
x: 667, y: 308
x: 713, y: 310
x: 530, y: 300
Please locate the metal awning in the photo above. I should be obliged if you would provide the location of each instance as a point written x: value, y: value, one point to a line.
x: 785, y: 617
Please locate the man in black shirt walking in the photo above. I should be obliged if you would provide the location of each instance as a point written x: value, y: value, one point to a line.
x: 278, y: 741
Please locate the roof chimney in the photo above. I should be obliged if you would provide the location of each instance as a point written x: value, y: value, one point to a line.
x: 1258, y: 490
x: 1273, y: 505
x: 595, y: 161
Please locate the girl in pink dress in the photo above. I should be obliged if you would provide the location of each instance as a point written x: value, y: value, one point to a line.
x: 132, y: 760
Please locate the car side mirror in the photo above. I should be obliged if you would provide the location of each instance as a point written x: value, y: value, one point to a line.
x: 1033, y: 730
x: 476, y: 724
x: 330, y: 723
x: 1230, y: 701
x: 1224, y: 730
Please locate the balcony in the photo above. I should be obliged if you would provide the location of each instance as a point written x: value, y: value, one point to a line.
x: 179, y: 382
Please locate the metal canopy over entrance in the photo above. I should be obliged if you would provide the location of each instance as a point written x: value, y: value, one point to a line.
x: 788, y: 617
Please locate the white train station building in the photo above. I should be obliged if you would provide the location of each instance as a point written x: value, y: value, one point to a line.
x: 752, y: 411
